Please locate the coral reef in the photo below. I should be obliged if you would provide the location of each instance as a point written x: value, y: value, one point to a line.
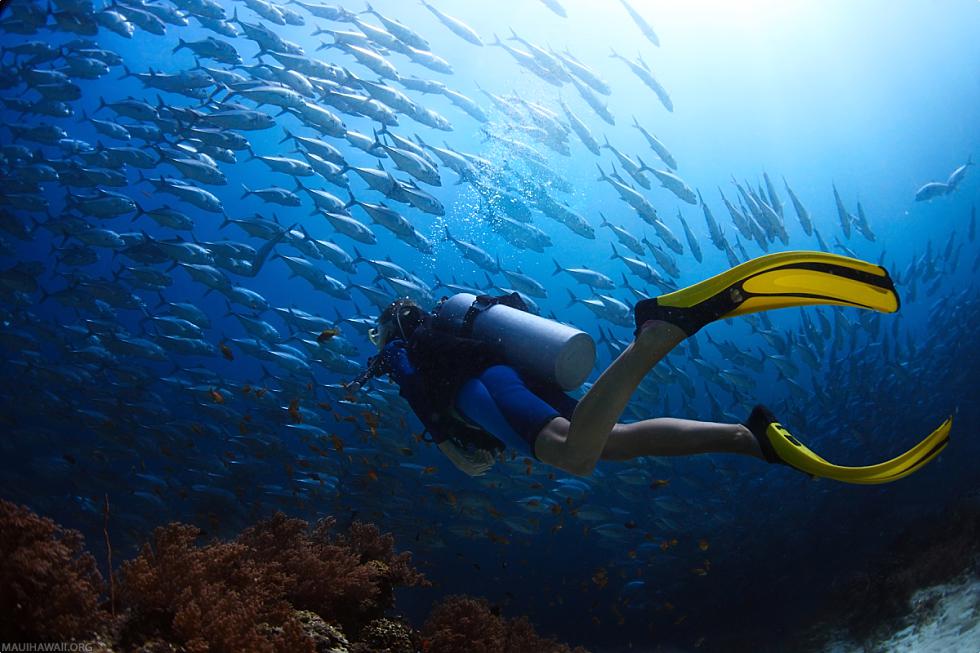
x: 49, y: 585
x: 281, y: 585
x: 211, y: 598
x: 464, y: 624
x: 348, y: 579
x: 387, y: 636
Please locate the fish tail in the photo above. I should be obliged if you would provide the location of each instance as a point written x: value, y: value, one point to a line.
x: 181, y: 44
x: 572, y: 298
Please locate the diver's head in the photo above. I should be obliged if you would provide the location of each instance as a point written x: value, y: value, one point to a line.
x: 399, y: 320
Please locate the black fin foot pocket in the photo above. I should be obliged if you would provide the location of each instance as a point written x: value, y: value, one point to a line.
x: 684, y: 319
x: 758, y: 422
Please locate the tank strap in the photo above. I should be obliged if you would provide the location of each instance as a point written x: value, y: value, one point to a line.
x: 485, y: 302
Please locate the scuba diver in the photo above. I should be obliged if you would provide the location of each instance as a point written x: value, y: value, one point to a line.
x: 482, y: 371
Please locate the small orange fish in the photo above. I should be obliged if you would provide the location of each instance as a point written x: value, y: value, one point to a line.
x: 703, y: 544
x: 373, y: 475
x: 431, y: 469
x: 216, y: 396
x: 226, y: 352
x: 293, y: 411
x: 600, y: 577
x: 659, y: 483
x: 327, y: 334
x: 338, y: 444
x: 260, y: 392
x: 246, y: 389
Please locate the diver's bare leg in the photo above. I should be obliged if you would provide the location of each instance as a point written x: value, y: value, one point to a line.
x: 668, y: 436
x: 599, y: 410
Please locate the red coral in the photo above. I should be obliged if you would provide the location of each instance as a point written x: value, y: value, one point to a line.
x: 463, y: 624
x: 49, y: 586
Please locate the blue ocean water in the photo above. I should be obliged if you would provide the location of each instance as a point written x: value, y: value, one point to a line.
x: 873, y: 98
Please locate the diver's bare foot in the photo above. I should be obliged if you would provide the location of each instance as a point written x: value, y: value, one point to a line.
x: 748, y: 443
x: 654, y: 332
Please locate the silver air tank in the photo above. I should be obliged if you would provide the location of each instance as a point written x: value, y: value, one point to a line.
x: 544, y: 349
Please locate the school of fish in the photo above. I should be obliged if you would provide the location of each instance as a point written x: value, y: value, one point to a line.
x: 194, y: 245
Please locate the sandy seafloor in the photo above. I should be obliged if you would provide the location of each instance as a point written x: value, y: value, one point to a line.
x: 941, y: 619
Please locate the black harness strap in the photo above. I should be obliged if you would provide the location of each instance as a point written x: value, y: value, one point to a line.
x: 485, y: 302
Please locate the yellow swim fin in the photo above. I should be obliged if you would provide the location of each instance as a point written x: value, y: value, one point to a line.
x: 779, y: 446
x: 777, y: 280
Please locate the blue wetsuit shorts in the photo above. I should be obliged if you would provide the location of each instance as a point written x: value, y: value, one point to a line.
x: 503, y: 404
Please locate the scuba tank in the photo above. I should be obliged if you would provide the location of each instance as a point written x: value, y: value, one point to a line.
x: 549, y: 351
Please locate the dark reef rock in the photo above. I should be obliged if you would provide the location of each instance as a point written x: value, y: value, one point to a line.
x: 386, y: 636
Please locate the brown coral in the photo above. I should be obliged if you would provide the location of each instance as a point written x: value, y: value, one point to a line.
x: 240, y: 595
x: 347, y: 579
x: 463, y: 624
x: 211, y: 598
x: 280, y: 586
x: 49, y: 586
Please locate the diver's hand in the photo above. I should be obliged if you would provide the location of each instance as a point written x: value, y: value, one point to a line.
x: 472, y: 463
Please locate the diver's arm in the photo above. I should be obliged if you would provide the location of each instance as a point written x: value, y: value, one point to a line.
x: 472, y: 463
x: 412, y: 387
